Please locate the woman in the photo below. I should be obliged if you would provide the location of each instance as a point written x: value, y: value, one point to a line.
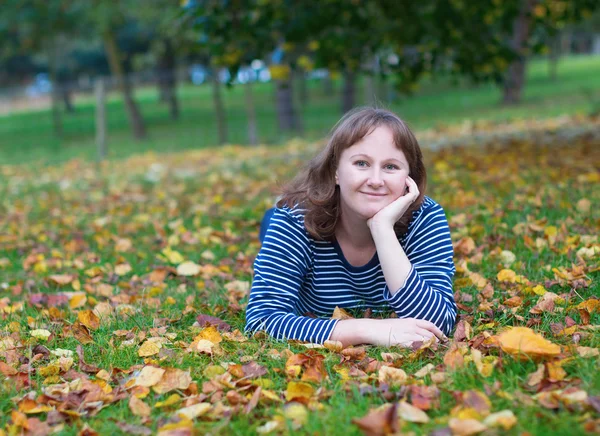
x: 355, y: 230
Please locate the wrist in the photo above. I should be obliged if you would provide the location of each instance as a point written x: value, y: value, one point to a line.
x: 353, y: 331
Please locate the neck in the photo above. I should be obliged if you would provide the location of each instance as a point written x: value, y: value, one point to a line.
x: 354, y: 230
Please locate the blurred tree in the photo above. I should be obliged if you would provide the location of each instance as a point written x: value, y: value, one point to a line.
x: 44, y: 27
x: 107, y: 18
x: 167, y: 44
x: 483, y: 40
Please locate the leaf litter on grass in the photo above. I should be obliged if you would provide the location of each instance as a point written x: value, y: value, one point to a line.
x: 127, y: 285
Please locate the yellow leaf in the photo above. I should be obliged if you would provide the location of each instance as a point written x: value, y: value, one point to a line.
x: 194, y: 410
x: 171, y: 400
x: 339, y: 313
x: 172, y: 255
x: 149, y: 348
x: 539, y: 290
x: 298, y: 390
x: 77, y: 300
x: 507, y: 275
x: 40, y: 334
x: 524, y: 342
x: 89, y: 319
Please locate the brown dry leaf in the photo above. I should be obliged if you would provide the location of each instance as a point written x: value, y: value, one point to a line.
x: 138, y: 407
x: 536, y: 377
x: 339, y: 313
x: 380, y: 421
x: 424, y: 397
x: 392, y: 376
x: 588, y: 351
x: 410, y: 413
x: 172, y: 379
x: 81, y: 333
x: 465, y: 427
x: 335, y: 346
x: 477, y: 401
x: 454, y: 357
x: 149, y: 376
x: 463, y: 331
x: 525, y: 343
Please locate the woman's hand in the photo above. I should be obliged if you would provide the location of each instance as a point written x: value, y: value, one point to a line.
x: 404, y: 332
x: 385, y: 332
x: 389, y: 215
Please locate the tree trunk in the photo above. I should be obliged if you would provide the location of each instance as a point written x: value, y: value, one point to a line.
x: 515, y: 74
x: 349, y: 90
x: 370, y: 93
x: 116, y: 68
x: 219, y: 107
x: 66, y: 97
x: 167, y: 79
x: 286, y: 113
x: 251, y: 114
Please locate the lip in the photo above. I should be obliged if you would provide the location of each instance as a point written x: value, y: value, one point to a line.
x: 371, y: 194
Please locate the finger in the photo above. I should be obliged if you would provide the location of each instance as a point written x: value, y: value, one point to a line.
x: 412, y: 186
x: 427, y: 325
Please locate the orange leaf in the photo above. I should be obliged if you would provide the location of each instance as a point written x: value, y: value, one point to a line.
x: 524, y: 342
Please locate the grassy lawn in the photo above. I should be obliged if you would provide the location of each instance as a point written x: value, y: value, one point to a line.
x: 27, y: 136
x: 92, y: 258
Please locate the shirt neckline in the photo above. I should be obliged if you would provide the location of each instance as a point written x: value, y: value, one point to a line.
x: 370, y: 264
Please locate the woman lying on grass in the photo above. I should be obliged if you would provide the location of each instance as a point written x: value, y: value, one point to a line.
x: 355, y: 230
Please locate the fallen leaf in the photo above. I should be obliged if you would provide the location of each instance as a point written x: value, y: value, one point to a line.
x: 504, y: 419
x: 410, y: 413
x: 138, y: 407
x: 465, y: 427
x: 525, y: 343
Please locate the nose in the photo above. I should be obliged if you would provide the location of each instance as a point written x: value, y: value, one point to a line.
x: 375, y: 179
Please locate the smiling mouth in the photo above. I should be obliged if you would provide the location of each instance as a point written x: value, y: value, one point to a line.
x: 373, y: 194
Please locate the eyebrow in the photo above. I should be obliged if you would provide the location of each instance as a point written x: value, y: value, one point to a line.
x: 367, y: 156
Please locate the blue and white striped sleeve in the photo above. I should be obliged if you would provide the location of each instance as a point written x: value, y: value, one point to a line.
x: 427, y: 293
x: 279, y: 271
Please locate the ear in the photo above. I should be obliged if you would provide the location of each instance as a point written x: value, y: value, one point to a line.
x: 337, y: 180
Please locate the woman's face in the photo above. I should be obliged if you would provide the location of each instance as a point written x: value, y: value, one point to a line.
x: 371, y: 174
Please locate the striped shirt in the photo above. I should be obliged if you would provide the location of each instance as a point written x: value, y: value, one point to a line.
x: 295, y: 274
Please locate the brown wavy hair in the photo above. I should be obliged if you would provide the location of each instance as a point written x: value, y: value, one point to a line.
x: 314, y: 189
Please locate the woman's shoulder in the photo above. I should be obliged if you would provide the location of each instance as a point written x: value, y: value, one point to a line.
x: 291, y: 217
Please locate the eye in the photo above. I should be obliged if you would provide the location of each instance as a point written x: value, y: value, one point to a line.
x: 391, y: 167
x: 361, y: 163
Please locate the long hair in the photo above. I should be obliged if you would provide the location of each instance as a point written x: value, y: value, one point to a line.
x: 314, y: 189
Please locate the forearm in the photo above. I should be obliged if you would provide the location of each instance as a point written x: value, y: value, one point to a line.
x: 353, y: 331
x: 394, y: 262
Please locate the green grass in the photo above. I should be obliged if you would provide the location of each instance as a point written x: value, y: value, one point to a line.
x: 29, y: 136
x: 72, y: 215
